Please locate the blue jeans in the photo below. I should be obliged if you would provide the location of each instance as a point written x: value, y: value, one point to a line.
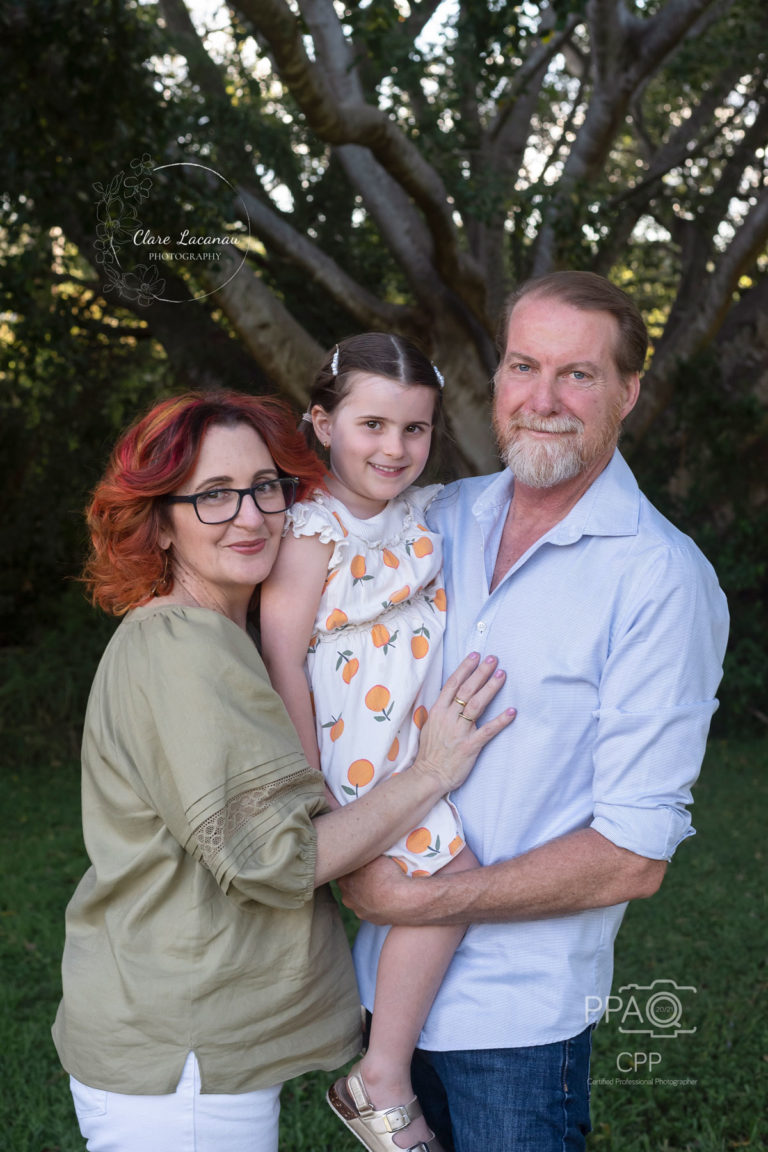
x: 508, y: 1099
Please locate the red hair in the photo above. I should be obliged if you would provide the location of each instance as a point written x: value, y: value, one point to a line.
x: 152, y: 459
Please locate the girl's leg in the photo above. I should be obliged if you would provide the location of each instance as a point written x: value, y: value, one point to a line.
x: 412, y: 964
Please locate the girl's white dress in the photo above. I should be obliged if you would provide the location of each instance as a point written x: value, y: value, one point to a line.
x: 374, y: 662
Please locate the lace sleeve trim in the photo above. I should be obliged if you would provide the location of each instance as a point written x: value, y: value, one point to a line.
x: 215, y: 832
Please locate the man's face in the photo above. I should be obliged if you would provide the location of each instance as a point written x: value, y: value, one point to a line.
x: 559, y: 398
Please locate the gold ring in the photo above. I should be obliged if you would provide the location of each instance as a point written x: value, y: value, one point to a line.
x: 461, y: 703
x: 466, y: 718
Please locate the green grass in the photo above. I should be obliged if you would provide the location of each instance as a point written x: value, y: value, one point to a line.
x: 706, y: 929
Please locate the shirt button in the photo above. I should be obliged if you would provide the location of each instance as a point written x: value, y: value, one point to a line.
x: 482, y: 627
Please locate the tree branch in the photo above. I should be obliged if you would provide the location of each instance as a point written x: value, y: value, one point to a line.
x: 277, y: 342
x: 367, y: 309
x: 624, y: 52
x: 698, y: 314
x: 354, y: 122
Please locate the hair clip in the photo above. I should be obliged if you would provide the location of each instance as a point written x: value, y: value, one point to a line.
x: 306, y: 416
x: 439, y: 376
x: 335, y: 361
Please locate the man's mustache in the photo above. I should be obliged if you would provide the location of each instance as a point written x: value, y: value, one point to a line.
x: 534, y: 423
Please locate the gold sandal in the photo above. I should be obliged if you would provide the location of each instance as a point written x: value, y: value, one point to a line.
x: 373, y: 1128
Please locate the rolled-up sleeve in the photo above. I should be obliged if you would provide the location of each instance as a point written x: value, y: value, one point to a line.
x: 657, y: 698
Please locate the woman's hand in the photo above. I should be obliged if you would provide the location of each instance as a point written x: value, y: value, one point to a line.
x: 450, y: 740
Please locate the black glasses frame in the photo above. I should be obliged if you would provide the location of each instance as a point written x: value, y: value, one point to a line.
x: 288, y: 484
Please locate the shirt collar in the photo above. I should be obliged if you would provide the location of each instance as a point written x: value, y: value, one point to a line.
x: 609, y: 507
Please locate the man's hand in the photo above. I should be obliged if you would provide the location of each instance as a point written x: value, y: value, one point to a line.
x: 378, y: 892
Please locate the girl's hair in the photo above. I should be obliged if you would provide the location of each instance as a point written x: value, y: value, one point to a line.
x: 152, y: 458
x: 377, y: 354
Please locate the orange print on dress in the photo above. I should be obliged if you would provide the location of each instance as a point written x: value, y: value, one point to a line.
x: 336, y: 725
x: 392, y: 754
x: 401, y: 594
x: 390, y: 559
x: 336, y: 619
x: 439, y: 600
x: 341, y: 523
x: 455, y: 845
x: 351, y: 665
x: 357, y: 568
x: 420, y: 716
x: 420, y: 842
x: 331, y: 576
x: 382, y: 638
x: 420, y: 547
x: 379, y: 635
x: 377, y: 699
x: 420, y: 643
x: 359, y: 773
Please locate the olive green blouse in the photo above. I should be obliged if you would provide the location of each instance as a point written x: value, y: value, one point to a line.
x: 197, y: 926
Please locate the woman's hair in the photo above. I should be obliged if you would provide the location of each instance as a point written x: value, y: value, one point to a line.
x: 591, y: 293
x: 126, y: 515
x: 377, y: 354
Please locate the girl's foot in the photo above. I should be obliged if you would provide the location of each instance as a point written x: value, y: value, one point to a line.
x: 380, y: 1129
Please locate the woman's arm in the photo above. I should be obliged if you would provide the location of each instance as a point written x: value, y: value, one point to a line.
x: 289, y: 602
x: 450, y: 743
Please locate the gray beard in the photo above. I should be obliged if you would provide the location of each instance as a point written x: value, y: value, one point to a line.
x: 543, y: 464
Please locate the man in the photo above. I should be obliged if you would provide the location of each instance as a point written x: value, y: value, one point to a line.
x: 611, y: 628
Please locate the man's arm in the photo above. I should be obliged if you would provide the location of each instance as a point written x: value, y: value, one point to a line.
x: 575, y: 872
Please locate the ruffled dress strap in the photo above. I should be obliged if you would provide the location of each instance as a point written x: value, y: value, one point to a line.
x: 320, y: 516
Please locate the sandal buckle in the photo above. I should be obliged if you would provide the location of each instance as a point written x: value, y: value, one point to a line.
x: 395, y: 1119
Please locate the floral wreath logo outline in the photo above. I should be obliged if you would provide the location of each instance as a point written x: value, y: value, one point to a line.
x: 117, y: 213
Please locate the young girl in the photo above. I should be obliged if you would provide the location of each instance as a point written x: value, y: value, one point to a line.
x: 352, y: 622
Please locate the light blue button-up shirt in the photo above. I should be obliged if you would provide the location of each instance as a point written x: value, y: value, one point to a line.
x: 612, y: 630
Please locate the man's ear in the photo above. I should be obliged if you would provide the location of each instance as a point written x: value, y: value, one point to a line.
x: 631, y: 393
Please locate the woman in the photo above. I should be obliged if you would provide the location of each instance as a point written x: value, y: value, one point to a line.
x: 204, y: 961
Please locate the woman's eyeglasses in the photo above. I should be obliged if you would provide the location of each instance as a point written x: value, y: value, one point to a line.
x: 218, y: 505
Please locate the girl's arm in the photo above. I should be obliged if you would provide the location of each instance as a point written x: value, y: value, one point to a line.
x: 289, y: 601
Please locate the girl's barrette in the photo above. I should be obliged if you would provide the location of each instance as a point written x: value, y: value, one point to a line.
x: 439, y: 376
x: 335, y: 361
x: 306, y: 416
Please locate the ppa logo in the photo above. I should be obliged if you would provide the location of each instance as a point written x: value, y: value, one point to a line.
x: 655, y: 1010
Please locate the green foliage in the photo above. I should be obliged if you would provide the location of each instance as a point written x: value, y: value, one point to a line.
x: 71, y: 86
x: 44, y: 684
x: 66, y: 385
x: 704, y: 467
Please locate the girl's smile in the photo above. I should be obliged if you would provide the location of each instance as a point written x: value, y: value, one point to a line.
x: 379, y: 438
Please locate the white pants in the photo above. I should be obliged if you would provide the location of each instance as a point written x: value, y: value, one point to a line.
x: 185, y: 1121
